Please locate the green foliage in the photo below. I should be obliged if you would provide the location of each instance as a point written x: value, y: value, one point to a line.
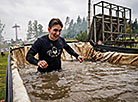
x: 79, y: 20
x: 82, y: 36
x: 29, y: 31
x: 72, y: 28
x: 35, y: 30
x: 66, y: 22
x: 40, y: 29
x: 2, y: 26
x: 3, y: 63
x: 4, y: 46
x: 135, y: 27
x: 132, y: 28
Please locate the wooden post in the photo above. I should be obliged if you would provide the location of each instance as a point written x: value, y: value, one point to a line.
x: 94, y: 25
x: 112, y: 26
x: 103, y: 21
x: 130, y: 25
x: 111, y: 23
x: 125, y: 22
x: 16, y: 26
x: 89, y: 5
x: 118, y: 24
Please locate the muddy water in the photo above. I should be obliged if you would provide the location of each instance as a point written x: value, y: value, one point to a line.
x: 85, y: 82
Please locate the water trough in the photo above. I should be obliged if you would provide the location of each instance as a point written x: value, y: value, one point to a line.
x: 84, y: 75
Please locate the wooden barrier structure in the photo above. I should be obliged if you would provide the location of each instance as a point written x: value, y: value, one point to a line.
x: 109, y: 25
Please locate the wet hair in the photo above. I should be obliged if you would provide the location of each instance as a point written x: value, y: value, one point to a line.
x: 55, y: 21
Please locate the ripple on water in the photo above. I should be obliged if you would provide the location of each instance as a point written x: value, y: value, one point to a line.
x: 83, y: 82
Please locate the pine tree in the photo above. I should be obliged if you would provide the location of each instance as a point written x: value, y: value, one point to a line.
x: 78, y: 27
x: 73, y: 28
x: 135, y: 27
x: 66, y: 22
x: 35, y: 30
x: 84, y: 25
x: 1, y: 30
x: 40, y: 30
x: 82, y: 36
x: 79, y: 20
x: 30, y: 31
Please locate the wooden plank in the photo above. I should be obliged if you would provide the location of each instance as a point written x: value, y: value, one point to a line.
x: 95, y: 29
x: 102, y: 21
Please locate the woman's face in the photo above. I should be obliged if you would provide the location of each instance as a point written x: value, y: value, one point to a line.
x: 54, y: 32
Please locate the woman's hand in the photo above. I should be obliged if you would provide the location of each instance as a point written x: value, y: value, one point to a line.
x: 42, y: 64
x: 80, y: 58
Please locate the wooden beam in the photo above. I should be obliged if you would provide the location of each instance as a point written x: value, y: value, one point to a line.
x: 102, y: 21
x: 111, y: 22
x: 89, y: 4
x: 95, y: 29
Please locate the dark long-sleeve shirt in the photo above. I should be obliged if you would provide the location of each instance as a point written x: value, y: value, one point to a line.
x: 50, y: 51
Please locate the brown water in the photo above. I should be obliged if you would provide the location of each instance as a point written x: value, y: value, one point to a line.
x: 83, y: 82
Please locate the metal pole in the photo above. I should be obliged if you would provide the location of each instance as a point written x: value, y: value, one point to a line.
x: 89, y: 11
x: 16, y: 26
x: 9, y: 86
x: 103, y: 21
x: 16, y: 33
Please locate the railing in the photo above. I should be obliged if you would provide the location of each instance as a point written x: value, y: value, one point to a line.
x: 9, y: 84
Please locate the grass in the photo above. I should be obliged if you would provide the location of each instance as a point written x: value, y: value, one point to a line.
x: 4, y: 46
x: 3, y: 64
x: 71, y: 39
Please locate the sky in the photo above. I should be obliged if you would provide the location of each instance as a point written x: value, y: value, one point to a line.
x: 20, y: 12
